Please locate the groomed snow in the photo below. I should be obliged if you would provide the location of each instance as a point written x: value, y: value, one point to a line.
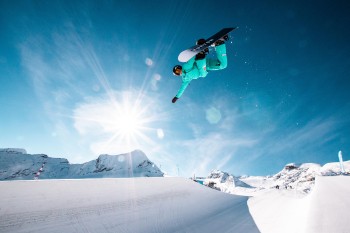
x: 120, y: 205
x: 324, y: 210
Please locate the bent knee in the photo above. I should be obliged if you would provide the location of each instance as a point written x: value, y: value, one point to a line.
x: 223, y: 65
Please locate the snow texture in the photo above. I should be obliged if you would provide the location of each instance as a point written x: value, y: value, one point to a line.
x: 324, y: 210
x: 16, y: 164
x: 303, y: 198
x: 120, y: 205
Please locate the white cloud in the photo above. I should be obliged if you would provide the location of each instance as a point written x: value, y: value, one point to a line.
x: 204, y: 153
x: 315, y: 132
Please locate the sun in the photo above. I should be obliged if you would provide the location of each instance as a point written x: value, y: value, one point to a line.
x: 128, y: 122
x: 120, y: 122
x: 130, y: 119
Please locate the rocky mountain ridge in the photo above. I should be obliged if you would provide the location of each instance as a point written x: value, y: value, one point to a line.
x: 16, y: 164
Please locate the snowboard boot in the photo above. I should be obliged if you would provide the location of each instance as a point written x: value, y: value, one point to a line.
x: 200, y: 55
x: 200, y: 42
x: 222, y: 40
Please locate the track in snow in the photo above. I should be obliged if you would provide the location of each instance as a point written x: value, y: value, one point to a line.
x: 120, y: 205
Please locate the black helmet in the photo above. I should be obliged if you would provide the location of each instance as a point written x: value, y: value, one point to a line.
x: 177, y: 70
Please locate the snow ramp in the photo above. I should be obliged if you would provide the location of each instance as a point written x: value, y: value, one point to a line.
x: 123, y: 205
x: 330, y: 205
x: 324, y: 210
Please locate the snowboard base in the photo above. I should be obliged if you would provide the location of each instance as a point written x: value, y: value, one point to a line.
x: 187, y: 54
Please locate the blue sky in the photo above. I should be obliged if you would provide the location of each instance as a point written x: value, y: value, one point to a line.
x: 83, y: 78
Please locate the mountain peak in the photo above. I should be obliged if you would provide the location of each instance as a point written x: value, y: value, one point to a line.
x: 13, y: 150
x: 17, y: 164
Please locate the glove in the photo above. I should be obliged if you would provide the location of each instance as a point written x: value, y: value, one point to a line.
x: 174, y: 99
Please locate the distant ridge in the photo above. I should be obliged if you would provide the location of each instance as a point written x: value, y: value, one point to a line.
x: 297, y: 177
x: 16, y: 164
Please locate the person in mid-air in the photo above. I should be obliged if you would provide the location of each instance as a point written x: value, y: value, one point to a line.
x: 198, y: 66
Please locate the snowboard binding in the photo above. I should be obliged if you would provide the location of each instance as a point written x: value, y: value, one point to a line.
x: 203, y: 45
x: 202, y: 54
x: 222, y: 40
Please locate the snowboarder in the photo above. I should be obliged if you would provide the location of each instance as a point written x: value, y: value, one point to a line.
x: 198, y: 66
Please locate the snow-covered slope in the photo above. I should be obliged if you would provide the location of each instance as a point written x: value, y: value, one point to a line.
x: 134, y: 205
x: 333, y: 169
x: 134, y: 164
x: 296, y: 177
x: 299, y: 178
x: 329, y: 205
x: 225, y: 182
x: 17, y: 164
x: 14, y: 150
x: 324, y: 210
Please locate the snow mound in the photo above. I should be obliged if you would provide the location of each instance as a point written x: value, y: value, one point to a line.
x: 16, y: 165
x: 329, y: 205
x: 324, y: 210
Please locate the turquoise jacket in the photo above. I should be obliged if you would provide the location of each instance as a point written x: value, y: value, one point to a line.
x: 194, y: 69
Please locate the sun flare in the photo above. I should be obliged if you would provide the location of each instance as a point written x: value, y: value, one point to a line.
x: 128, y: 123
x: 121, y: 121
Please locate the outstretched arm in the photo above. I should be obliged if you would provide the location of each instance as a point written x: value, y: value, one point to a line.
x: 190, y: 73
x: 181, y: 91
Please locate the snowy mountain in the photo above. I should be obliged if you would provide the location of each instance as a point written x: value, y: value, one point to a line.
x: 297, y: 177
x: 224, y: 182
x: 16, y: 164
x: 134, y: 164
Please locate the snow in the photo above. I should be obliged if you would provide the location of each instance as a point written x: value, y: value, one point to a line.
x: 276, y: 211
x: 120, y: 205
x: 13, y: 150
x: 227, y: 183
x: 162, y: 204
x: 25, y: 166
x: 324, y: 210
x: 298, y: 178
x: 329, y: 205
x: 134, y: 164
x: 300, y: 198
x: 17, y: 164
x: 331, y: 169
x: 303, y: 198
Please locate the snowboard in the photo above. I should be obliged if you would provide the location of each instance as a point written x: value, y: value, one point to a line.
x: 187, y: 54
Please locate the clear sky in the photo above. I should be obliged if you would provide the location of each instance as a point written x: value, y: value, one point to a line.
x: 83, y: 78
